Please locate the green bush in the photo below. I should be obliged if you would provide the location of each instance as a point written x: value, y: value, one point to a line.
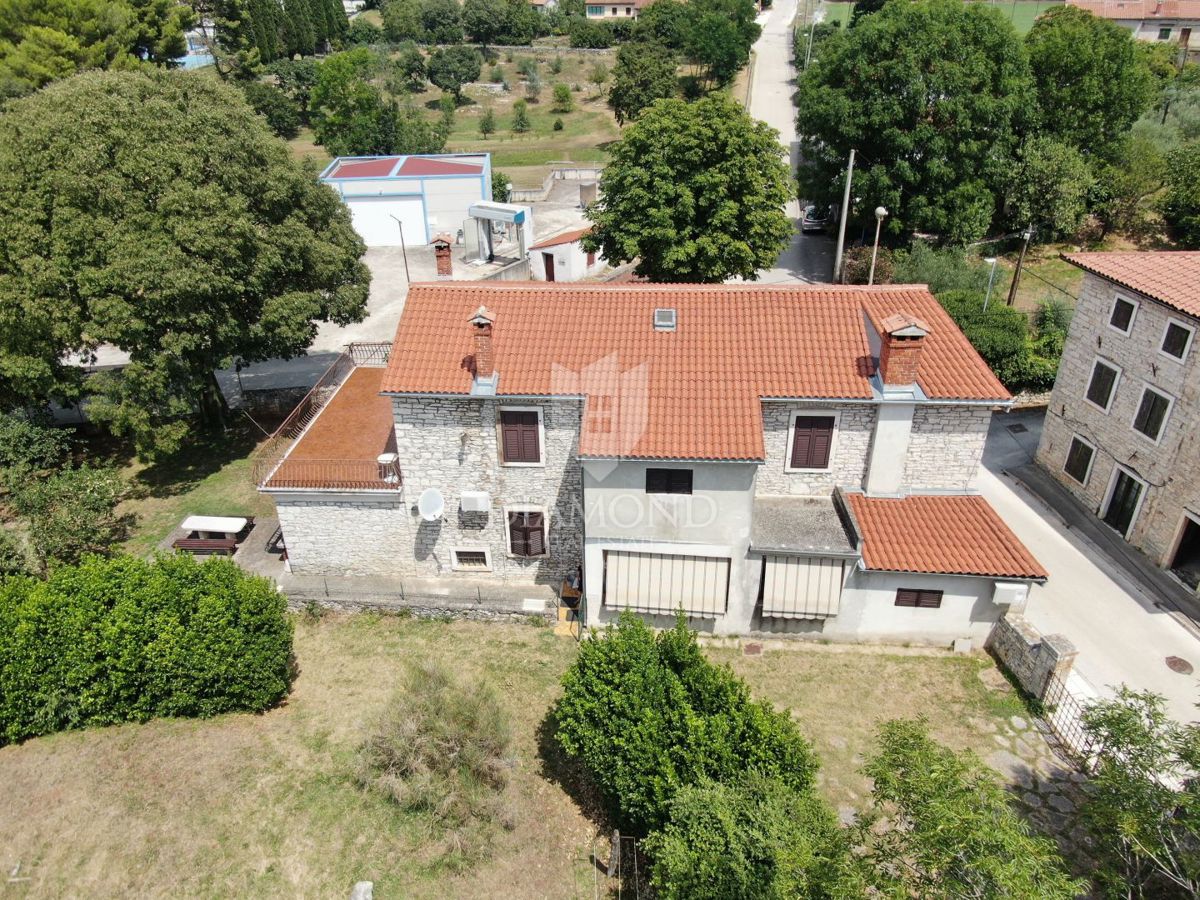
x: 72, y: 512
x: 27, y: 445
x: 440, y: 749
x: 757, y: 838
x: 998, y: 333
x: 943, y: 270
x: 116, y: 640
x: 647, y: 715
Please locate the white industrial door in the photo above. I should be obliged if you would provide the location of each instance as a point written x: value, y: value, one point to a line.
x: 661, y: 583
x: 372, y: 218
x: 802, y: 587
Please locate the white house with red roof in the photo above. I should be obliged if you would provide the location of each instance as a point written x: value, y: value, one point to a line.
x: 561, y: 257
x: 1120, y: 432
x: 1162, y: 21
x: 783, y: 458
x: 418, y: 196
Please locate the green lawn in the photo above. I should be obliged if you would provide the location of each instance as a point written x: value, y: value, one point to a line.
x: 267, y: 806
x: 1022, y: 13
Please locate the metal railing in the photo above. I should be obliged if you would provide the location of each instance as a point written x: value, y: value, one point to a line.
x: 273, y: 451
x: 334, y: 474
x: 1063, y: 712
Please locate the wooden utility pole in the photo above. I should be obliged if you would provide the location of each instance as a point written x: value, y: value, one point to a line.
x: 1012, y: 288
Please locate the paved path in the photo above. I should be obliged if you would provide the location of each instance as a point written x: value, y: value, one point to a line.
x: 1121, y: 634
x: 808, y: 257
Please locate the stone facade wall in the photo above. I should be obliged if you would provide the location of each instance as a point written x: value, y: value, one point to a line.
x: 1169, y: 467
x: 1030, y: 656
x: 452, y: 445
x: 346, y: 534
x: 847, y: 465
x: 946, y: 447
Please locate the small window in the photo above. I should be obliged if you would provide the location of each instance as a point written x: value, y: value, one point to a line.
x: 595, y: 10
x: 470, y: 560
x: 812, y: 438
x: 1079, y: 459
x: 1152, y: 413
x: 919, y: 599
x: 527, y: 533
x: 520, y: 437
x: 664, y: 320
x: 614, y: 10
x: 668, y: 481
x: 1121, y: 316
x: 628, y: 10
x: 1103, y: 384
x: 1176, y: 339
x: 1164, y: 34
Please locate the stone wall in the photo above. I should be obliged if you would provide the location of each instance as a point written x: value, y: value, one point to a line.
x: 1031, y: 657
x: 1169, y: 467
x: 847, y: 464
x: 346, y: 534
x: 946, y: 447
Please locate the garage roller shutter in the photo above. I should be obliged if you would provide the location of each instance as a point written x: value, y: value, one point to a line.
x: 660, y: 583
x: 802, y: 587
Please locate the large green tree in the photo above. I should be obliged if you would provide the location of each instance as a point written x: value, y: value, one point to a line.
x: 1092, y: 83
x: 645, y: 72
x: 1181, y: 203
x: 932, y: 95
x: 161, y: 217
x: 452, y: 67
x: 695, y: 192
x: 718, y: 38
x: 1050, y: 186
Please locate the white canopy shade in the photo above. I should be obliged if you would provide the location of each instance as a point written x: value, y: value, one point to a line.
x: 225, y: 524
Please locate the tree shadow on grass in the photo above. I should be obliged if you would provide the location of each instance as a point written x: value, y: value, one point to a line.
x: 570, y: 775
x: 203, y: 454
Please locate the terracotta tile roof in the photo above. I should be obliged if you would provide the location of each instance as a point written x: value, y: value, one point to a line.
x: 567, y: 237
x: 1171, y: 277
x: 692, y: 393
x: 939, y: 535
x: 1140, y: 9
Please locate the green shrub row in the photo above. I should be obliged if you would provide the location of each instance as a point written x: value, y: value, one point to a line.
x: 122, y: 639
x: 647, y: 715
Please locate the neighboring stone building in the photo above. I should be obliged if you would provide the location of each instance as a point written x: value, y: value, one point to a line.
x: 1120, y: 432
x: 767, y: 458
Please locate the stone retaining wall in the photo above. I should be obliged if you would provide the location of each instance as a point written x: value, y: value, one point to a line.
x: 418, y: 607
x: 1031, y: 657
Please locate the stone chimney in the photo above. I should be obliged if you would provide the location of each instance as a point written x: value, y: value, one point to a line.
x: 441, y: 251
x: 485, y: 360
x: 902, y: 343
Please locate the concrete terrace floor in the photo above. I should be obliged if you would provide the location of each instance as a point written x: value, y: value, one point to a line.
x: 1122, y: 634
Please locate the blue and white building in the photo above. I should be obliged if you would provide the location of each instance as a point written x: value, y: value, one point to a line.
x: 419, y: 196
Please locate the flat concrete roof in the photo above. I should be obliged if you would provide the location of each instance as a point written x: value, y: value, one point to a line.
x: 799, y: 525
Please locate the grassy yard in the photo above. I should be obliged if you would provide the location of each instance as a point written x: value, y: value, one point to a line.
x: 1022, y: 13
x: 266, y: 806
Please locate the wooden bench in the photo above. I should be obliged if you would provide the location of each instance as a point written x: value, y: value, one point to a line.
x: 206, y: 545
x: 569, y: 596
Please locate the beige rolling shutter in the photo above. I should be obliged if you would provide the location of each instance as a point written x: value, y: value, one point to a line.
x: 660, y: 583
x: 802, y: 587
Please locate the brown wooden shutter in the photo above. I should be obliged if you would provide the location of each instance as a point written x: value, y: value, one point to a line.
x: 518, y: 541
x: 918, y: 599
x: 812, y: 441
x: 535, y: 534
x: 519, y: 436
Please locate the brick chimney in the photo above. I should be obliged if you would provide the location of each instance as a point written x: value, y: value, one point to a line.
x: 903, y: 342
x: 441, y: 251
x: 485, y: 360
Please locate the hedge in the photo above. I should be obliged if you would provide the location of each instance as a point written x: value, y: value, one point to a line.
x: 117, y: 640
x: 648, y: 715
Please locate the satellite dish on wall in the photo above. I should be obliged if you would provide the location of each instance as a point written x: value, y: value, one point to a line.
x: 431, y: 504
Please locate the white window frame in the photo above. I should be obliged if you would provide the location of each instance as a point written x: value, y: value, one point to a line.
x: 541, y: 463
x: 526, y: 508
x: 1190, y: 329
x: 1116, y: 383
x: 1147, y: 386
x: 1132, y: 318
x: 1112, y: 486
x: 833, y: 441
x: 487, y: 556
x: 1087, y: 476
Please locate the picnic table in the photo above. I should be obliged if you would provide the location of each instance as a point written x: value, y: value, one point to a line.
x: 212, y: 534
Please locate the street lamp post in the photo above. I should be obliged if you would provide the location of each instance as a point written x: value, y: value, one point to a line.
x: 991, y: 260
x: 880, y: 215
x: 403, y: 250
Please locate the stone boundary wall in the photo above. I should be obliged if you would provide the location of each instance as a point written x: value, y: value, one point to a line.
x: 415, y: 606
x: 575, y: 173
x: 517, y: 271
x: 1031, y: 657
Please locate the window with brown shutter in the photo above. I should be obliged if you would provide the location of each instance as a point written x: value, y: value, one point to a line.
x: 519, y: 441
x: 812, y: 436
x: 919, y: 599
x: 527, y: 533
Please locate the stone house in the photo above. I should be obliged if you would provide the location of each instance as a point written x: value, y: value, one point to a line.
x: 766, y: 458
x: 1120, y: 430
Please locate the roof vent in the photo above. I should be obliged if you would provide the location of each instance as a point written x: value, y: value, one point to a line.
x: 664, y: 320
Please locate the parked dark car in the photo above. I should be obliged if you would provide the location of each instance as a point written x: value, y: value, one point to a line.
x: 816, y: 219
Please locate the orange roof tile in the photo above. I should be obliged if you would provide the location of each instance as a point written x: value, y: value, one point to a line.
x: 1171, y: 277
x: 692, y: 393
x: 1140, y: 9
x: 566, y: 237
x: 939, y: 535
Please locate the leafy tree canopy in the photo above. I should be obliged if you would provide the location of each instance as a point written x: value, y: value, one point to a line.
x: 1092, y: 83
x: 932, y: 95
x: 281, y: 113
x: 1181, y: 204
x: 1050, y: 186
x: 452, y: 67
x: 165, y: 219
x: 695, y: 191
x: 644, y: 72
